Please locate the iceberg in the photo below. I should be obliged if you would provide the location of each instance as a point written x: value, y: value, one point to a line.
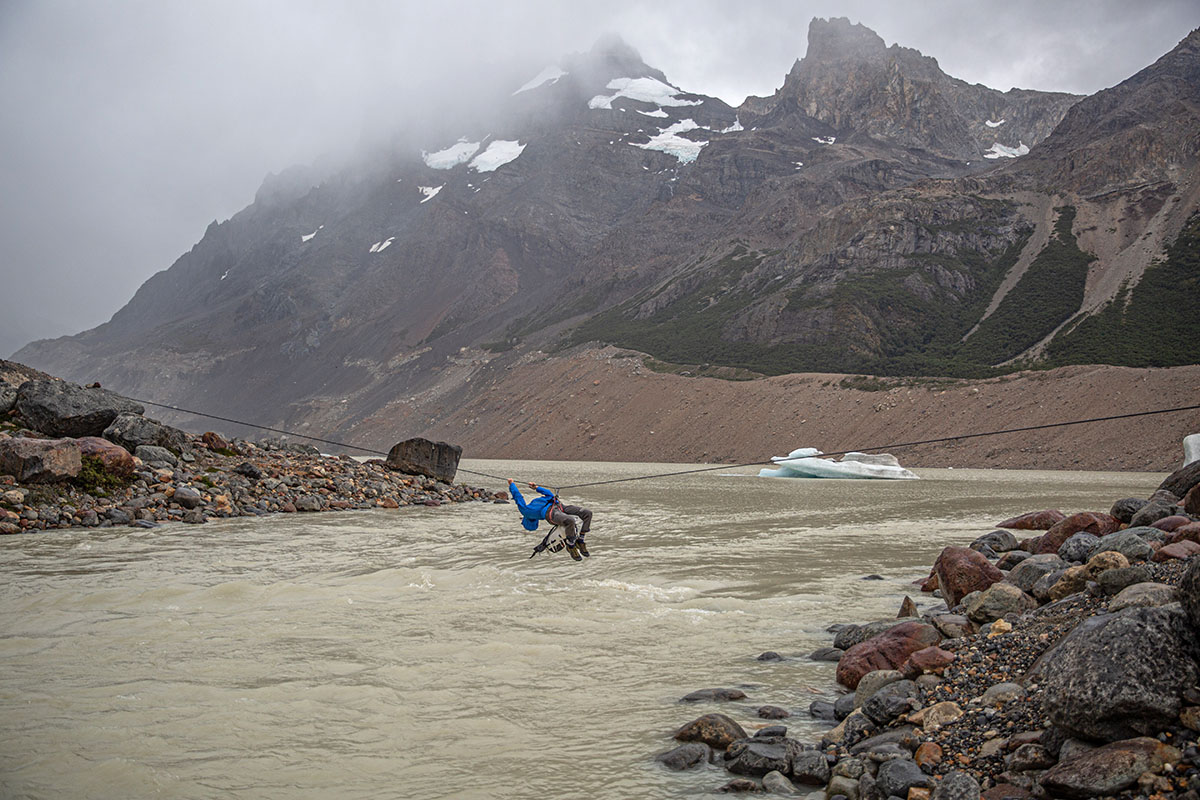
x: 803, y: 463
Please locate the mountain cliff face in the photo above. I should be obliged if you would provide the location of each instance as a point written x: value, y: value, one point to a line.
x: 874, y: 214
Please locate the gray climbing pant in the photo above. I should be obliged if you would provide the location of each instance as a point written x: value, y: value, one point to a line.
x: 567, y: 516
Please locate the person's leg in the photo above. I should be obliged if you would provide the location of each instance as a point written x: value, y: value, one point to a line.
x: 559, y: 516
x: 585, y: 517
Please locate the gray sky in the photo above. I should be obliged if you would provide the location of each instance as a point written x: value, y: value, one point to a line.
x: 127, y: 126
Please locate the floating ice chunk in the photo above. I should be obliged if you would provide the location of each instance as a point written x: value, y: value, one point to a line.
x: 306, y: 237
x: 658, y: 112
x: 647, y: 90
x: 992, y: 124
x: 430, y: 192
x: 452, y: 156
x: 549, y: 75
x: 824, y: 139
x: 668, y: 141
x: 803, y: 463
x: 736, y: 126
x: 1000, y: 151
x: 497, y: 154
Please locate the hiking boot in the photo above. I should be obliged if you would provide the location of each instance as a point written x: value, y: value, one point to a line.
x: 573, y: 549
x: 582, y: 547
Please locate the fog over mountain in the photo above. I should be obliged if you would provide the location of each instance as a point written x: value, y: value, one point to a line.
x: 132, y: 125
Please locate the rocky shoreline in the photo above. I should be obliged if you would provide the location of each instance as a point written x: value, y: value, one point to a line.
x: 84, y: 457
x: 1063, y: 665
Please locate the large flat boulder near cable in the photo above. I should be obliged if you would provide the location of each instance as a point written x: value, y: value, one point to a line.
x: 132, y: 431
x: 437, y: 460
x: 61, y: 408
x: 1181, y: 481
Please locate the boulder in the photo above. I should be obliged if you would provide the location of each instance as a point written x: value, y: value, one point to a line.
x: 952, y: 626
x: 1113, y: 581
x: 826, y: 654
x: 1119, y: 675
x: 133, y: 430
x: 308, y: 502
x: 1184, y: 550
x: 1011, y: 559
x: 777, y: 783
x: 996, y: 601
x: 1189, y: 593
x: 872, y: 682
x: 888, y: 650
x: 1084, y: 522
x: 1034, y: 521
x: 150, y: 453
x: 1041, y: 589
x: 718, y: 731
x: 61, y: 408
x: 931, y: 659
x: 940, y: 714
x: 1125, y: 509
x: 1001, y: 693
x: 851, y: 635
x: 1078, y: 548
x: 822, y: 709
x: 810, y: 767
x: 215, y: 441
x: 1107, y: 770
x: 1027, y: 573
x: 1181, y: 481
x: 897, y: 776
x: 1191, y: 501
x: 116, y: 459
x: 1069, y: 582
x: 999, y: 541
x: 1189, y: 532
x: 40, y: 460
x: 956, y: 785
x: 1102, y: 562
x: 1152, y: 512
x: 187, y: 497
x: 8, y: 397
x: 437, y: 460
x: 961, y: 571
x: 1172, y: 522
x: 759, y: 755
x: 686, y: 756
x: 891, y: 701
x: 1127, y: 542
x: 1143, y: 594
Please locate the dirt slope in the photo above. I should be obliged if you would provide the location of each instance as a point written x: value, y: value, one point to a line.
x: 607, y: 405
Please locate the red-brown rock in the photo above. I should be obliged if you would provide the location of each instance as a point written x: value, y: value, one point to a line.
x: 1184, y: 549
x: 40, y: 460
x: 116, y: 459
x: 1083, y: 522
x: 215, y: 441
x: 961, y: 571
x: 1006, y: 791
x: 931, y: 659
x: 1034, y: 520
x: 1171, y: 523
x: 888, y: 650
x: 1191, y: 532
x: 930, y: 584
x: 1191, y: 501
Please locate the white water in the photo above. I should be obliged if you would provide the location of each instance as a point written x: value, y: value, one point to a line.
x: 419, y: 653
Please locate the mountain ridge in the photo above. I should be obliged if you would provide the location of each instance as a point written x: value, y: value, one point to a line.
x: 608, y: 205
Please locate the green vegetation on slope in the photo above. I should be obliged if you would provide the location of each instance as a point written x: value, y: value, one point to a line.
x: 1155, y: 325
x: 1049, y: 292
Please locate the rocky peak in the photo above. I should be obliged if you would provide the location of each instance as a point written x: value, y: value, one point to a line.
x: 837, y: 39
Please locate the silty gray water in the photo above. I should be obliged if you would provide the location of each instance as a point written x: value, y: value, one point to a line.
x: 420, y: 653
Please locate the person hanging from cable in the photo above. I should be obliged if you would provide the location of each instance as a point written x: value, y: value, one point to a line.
x: 574, y: 521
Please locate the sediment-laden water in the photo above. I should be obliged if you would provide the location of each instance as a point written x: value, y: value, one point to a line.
x: 420, y: 653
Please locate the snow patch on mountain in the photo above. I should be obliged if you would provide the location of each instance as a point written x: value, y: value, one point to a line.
x: 992, y: 124
x: 549, y: 75
x: 430, y: 192
x: 647, y: 90
x: 669, y: 141
x: 452, y: 156
x: 824, y: 139
x: 304, y: 237
x: 497, y: 154
x: 736, y: 126
x: 1001, y: 151
x: 658, y: 112
x: 379, y: 247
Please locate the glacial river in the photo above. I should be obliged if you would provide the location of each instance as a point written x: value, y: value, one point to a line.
x: 420, y: 653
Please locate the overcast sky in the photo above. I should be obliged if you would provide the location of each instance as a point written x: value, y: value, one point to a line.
x: 127, y: 126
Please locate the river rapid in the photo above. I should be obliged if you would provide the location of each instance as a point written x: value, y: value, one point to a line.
x: 420, y: 652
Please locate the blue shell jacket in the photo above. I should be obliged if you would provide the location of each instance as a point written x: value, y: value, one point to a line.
x: 535, y: 510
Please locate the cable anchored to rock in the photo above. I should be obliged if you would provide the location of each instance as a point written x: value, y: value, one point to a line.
x: 892, y: 446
